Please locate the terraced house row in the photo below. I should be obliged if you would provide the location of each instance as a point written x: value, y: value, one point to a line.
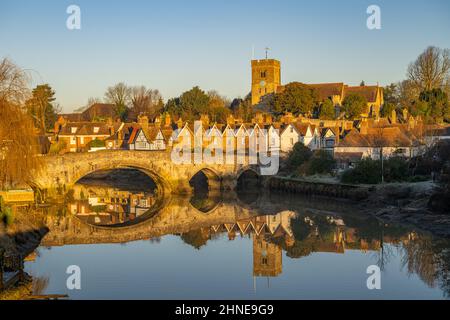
x: 348, y: 141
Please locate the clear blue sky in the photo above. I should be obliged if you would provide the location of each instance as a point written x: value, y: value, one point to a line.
x: 175, y: 45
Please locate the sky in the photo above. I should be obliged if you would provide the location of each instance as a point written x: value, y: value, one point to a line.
x: 173, y: 45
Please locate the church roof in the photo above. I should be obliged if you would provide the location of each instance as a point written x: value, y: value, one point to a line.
x: 368, y: 92
x: 326, y: 90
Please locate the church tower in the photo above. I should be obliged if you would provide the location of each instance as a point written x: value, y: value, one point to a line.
x: 266, y: 78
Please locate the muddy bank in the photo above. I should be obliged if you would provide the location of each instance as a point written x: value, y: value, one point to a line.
x: 318, y: 188
x: 407, y: 203
x: 25, y: 234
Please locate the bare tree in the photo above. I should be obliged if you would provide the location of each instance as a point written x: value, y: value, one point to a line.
x: 431, y: 69
x: 13, y: 82
x: 119, y: 95
x: 90, y: 102
x: 408, y: 92
x: 146, y: 101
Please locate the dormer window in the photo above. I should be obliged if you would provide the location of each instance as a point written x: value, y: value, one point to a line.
x: 73, y: 129
x: 96, y: 129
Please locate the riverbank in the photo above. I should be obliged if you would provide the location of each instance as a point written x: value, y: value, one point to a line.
x: 402, y: 203
x: 25, y: 234
x: 21, y: 238
x: 407, y: 203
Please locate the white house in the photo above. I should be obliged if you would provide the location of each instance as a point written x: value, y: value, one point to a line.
x: 327, y: 139
x: 150, y: 139
x: 295, y: 132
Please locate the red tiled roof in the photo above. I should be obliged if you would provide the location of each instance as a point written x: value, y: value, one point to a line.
x: 85, y: 128
x: 326, y: 90
x: 368, y: 92
x: 133, y: 135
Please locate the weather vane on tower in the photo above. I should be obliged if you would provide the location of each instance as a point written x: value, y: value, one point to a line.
x: 267, y: 51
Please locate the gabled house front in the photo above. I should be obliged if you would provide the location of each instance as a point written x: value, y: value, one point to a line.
x: 147, y: 140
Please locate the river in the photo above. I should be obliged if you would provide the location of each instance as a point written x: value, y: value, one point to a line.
x: 128, y: 244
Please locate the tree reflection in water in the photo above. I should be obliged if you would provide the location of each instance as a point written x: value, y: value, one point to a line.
x: 298, y: 226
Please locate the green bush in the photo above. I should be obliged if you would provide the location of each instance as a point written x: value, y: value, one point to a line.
x: 299, y: 155
x: 396, y: 169
x: 57, y: 147
x: 365, y: 171
x: 7, y: 216
x: 97, y: 143
x: 418, y: 178
x: 369, y: 171
x: 321, y: 162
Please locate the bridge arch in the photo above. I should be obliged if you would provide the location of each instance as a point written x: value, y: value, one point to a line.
x: 162, y: 186
x: 206, y: 175
x: 249, y: 176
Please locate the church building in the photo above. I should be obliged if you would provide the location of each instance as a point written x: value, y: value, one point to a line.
x: 266, y: 81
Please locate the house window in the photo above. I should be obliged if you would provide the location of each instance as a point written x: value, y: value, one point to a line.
x: 329, y: 143
x: 73, y: 129
x: 292, y: 141
x: 141, y: 145
x: 292, y: 130
x: 81, y: 140
x: 73, y: 140
x: 96, y: 129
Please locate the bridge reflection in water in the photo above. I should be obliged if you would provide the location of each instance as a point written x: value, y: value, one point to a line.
x: 230, y: 233
x: 112, y: 214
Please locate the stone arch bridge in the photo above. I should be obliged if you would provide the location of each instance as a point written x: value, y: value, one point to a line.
x: 61, y: 172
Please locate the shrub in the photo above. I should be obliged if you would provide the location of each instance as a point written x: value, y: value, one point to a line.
x: 321, y: 162
x: 395, y: 169
x: 369, y: 171
x: 57, y: 147
x: 365, y: 171
x: 299, y: 155
x: 97, y: 143
x: 6, y: 213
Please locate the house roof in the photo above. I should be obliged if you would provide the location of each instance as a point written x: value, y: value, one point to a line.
x: 72, y: 117
x: 85, y: 129
x: 368, y: 92
x: 326, y: 90
x: 133, y: 134
x: 100, y: 110
x: 376, y: 137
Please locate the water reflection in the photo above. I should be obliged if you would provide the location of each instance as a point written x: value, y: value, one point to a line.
x: 292, y: 240
x: 105, y: 205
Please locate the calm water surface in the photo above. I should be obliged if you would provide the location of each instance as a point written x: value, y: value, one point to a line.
x: 257, y: 246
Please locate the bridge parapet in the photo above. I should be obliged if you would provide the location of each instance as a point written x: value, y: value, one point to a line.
x: 61, y: 172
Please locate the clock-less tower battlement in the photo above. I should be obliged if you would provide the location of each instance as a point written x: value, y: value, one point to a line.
x: 266, y: 78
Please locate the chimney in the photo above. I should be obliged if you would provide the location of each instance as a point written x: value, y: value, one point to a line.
x: 364, y: 127
x: 230, y: 120
x: 204, y: 118
x: 180, y: 123
x: 167, y: 120
x: 337, y: 132
x: 405, y: 114
x: 394, y: 116
x: 143, y: 122
x: 158, y: 121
